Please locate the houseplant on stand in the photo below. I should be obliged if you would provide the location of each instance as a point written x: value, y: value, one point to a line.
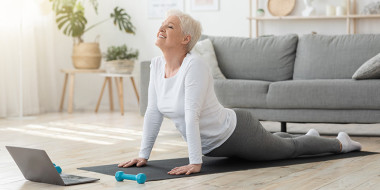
x: 70, y: 18
x: 120, y: 59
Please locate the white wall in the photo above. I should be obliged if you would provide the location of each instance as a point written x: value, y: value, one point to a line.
x: 229, y: 20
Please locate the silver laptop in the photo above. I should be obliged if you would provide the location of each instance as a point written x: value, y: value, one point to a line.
x: 36, y: 166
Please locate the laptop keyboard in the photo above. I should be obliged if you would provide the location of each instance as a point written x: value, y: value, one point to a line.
x: 73, y: 179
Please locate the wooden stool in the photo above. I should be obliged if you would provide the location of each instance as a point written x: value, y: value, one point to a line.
x: 71, y: 73
x: 119, y: 87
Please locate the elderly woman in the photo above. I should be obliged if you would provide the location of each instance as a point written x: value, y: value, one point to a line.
x: 181, y: 88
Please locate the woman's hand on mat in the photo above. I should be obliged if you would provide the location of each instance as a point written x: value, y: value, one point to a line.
x: 188, y: 169
x: 137, y: 161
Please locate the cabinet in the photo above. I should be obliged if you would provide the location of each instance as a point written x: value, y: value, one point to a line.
x: 350, y: 18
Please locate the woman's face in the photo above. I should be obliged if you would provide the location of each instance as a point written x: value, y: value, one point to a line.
x: 170, y: 34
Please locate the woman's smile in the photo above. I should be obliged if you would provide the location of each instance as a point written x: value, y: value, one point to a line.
x: 161, y: 36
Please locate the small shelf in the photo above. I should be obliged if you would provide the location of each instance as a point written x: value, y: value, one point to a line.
x: 297, y: 18
x: 364, y: 16
x: 351, y: 18
x: 312, y: 17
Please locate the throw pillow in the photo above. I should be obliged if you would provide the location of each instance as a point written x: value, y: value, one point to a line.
x: 369, y: 70
x: 206, y: 51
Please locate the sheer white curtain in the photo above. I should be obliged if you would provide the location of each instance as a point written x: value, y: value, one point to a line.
x: 27, y: 67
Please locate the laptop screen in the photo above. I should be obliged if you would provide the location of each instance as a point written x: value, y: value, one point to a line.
x: 35, y: 165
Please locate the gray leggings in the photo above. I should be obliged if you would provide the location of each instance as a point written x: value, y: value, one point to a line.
x: 252, y: 142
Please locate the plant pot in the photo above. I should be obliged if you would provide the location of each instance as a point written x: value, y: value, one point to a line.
x: 86, y: 56
x: 120, y: 66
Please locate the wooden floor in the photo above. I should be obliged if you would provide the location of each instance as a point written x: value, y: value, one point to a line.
x: 88, y: 139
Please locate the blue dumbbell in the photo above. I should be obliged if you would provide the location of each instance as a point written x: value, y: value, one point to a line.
x: 140, y: 178
x: 59, y: 169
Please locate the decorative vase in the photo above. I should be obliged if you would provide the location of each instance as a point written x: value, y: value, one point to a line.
x: 120, y: 66
x: 340, y: 11
x: 260, y: 12
x: 86, y: 56
x: 309, y: 9
x: 330, y: 10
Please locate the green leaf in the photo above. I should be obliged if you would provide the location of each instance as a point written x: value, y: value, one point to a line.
x: 58, y: 4
x: 79, y: 7
x: 61, y: 24
x: 95, y: 4
x: 74, y: 22
x: 65, y: 31
x: 122, y: 20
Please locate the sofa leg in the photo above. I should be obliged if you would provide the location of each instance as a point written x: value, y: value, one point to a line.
x: 283, y: 127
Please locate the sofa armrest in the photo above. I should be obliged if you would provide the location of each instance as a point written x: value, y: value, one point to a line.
x: 144, y: 84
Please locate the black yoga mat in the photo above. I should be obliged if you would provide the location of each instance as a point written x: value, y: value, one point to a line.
x: 157, y: 169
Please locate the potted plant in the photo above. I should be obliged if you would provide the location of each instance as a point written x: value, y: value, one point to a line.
x: 70, y: 18
x: 120, y: 59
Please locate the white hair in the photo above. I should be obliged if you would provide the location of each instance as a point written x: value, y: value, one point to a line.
x: 189, y: 26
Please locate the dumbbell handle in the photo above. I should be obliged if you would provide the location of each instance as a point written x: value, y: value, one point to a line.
x: 129, y: 176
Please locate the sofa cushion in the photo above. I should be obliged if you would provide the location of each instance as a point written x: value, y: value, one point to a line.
x: 263, y: 58
x: 369, y: 70
x: 205, y: 50
x: 325, y: 94
x: 333, y: 57
x: 235, y: 93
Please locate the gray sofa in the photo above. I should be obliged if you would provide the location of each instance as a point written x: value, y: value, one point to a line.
x: 294, y: 78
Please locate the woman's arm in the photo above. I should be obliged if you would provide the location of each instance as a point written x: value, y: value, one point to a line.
x: 152, y: 120
x: 196, y: 84
x: 152, y: 124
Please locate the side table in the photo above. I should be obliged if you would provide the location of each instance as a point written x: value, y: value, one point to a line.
x: 71, y: 73
x: 119, y: 86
